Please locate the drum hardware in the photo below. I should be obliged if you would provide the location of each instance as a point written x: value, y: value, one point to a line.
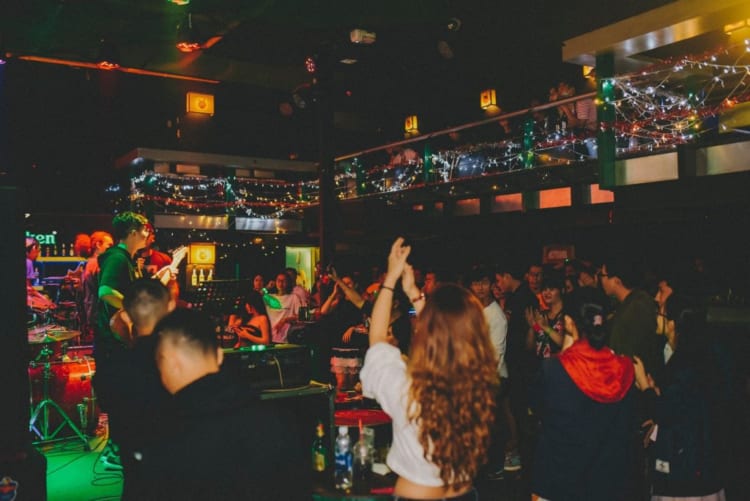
x: 39, y: 423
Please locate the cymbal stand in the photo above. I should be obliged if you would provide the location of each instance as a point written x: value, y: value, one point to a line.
x: 40, y: 414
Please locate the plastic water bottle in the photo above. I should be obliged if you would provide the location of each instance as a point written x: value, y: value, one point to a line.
x: 362, y: 458
x: 343, y: 475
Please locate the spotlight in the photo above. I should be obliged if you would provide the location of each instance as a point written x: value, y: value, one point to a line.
x: 188, y: 36
x: 108, y: 57
x: 310, y: 64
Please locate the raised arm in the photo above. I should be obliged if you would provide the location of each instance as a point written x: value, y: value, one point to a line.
x: 411, y: 290
x: 381, y: 312
x: 351, y: 294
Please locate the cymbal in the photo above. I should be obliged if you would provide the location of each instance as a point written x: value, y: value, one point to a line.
x: 37, y: 336
x: 63, y: 335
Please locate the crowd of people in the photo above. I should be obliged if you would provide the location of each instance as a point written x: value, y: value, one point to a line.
x: 592, y: 386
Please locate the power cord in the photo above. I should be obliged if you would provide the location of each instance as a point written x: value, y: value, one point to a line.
x: 278, y: 368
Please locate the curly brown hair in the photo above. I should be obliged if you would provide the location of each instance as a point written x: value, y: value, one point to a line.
x: 453, y: 370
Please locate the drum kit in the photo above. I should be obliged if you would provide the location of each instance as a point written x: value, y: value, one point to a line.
x: 59, y: 385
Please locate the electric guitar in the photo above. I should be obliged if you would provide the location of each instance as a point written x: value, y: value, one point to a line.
x: 170, y: 271
x: 118, y: 324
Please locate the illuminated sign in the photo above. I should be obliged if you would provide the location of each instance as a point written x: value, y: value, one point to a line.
x: 200, y: 103
x: 44, y: 238
x: 202, y: 254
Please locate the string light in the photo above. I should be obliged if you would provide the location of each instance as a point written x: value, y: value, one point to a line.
x: 658, y: 107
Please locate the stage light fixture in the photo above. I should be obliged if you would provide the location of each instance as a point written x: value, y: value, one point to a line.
x: 310, y: 64
x: 108, y: 57
x: 188, y: 35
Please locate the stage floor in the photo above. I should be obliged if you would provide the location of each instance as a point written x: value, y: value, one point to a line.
x: 74, y: 474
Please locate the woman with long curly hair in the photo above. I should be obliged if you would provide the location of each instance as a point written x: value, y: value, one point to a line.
x: 442, y: 401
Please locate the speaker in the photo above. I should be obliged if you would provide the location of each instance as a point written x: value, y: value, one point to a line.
x: 279, y: 366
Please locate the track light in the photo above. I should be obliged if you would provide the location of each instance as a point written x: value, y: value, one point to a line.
x: 108, y: 57
x: 188, y: 36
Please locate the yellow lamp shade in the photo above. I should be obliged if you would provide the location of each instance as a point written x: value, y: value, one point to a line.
x: 202, y: 254
x: 200, y: 103
x: 411, y: 124
x: 487, y: 99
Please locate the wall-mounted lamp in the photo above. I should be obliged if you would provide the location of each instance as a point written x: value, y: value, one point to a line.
x: 411, y: 125
x: 488, y: 102
x: 488, y: 99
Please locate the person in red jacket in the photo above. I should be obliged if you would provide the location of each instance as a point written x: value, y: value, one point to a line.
x: 584, y: 399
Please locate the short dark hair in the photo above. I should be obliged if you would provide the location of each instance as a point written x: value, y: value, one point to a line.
x: 145, y: 298
x: 590, y: 318
x: 625, y: 270
x: 515, y: 270
x: 479, y: 273
x: 127, y: 221
x: 190, y: 328
x: 553, y: 280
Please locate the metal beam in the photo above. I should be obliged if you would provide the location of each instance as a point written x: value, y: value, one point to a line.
x: 672, y: 23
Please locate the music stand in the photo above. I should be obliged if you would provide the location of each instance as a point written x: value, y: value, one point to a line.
x: 218, y: 297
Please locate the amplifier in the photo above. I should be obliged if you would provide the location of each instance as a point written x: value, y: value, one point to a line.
x: 270, y: 367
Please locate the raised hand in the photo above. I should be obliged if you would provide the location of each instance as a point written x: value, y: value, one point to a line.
x: 397, y: 258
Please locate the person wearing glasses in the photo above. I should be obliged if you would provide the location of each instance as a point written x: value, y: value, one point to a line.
x: 632, y: 333
x: 633, y: 325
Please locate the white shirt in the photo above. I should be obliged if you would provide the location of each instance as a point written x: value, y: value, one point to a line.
x: 384, y: 378
x: 290, y: 304
x: 498, y: 325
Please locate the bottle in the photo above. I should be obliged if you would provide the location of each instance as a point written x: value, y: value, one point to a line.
x: 271, y: 301
x: 194, y: 278
x: 319, y: 450
x: 201, y: 276
x: 343, y: 474
x: 210, y: 275
x: 563, y: 123
x: 362, y: 459
x: 71, y: 250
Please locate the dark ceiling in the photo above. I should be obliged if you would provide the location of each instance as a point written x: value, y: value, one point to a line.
x: 431, y: 57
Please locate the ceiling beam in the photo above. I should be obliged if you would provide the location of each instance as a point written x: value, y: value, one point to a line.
x: 669, y: 24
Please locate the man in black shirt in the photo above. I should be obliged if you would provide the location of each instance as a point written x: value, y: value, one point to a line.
x: 143, y: 398
x: 220, y: 441
x: 521, y: 362
x: 117, y: 272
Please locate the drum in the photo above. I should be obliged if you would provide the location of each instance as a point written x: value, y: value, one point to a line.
x: 345, y: 366
x: 70, y: 388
